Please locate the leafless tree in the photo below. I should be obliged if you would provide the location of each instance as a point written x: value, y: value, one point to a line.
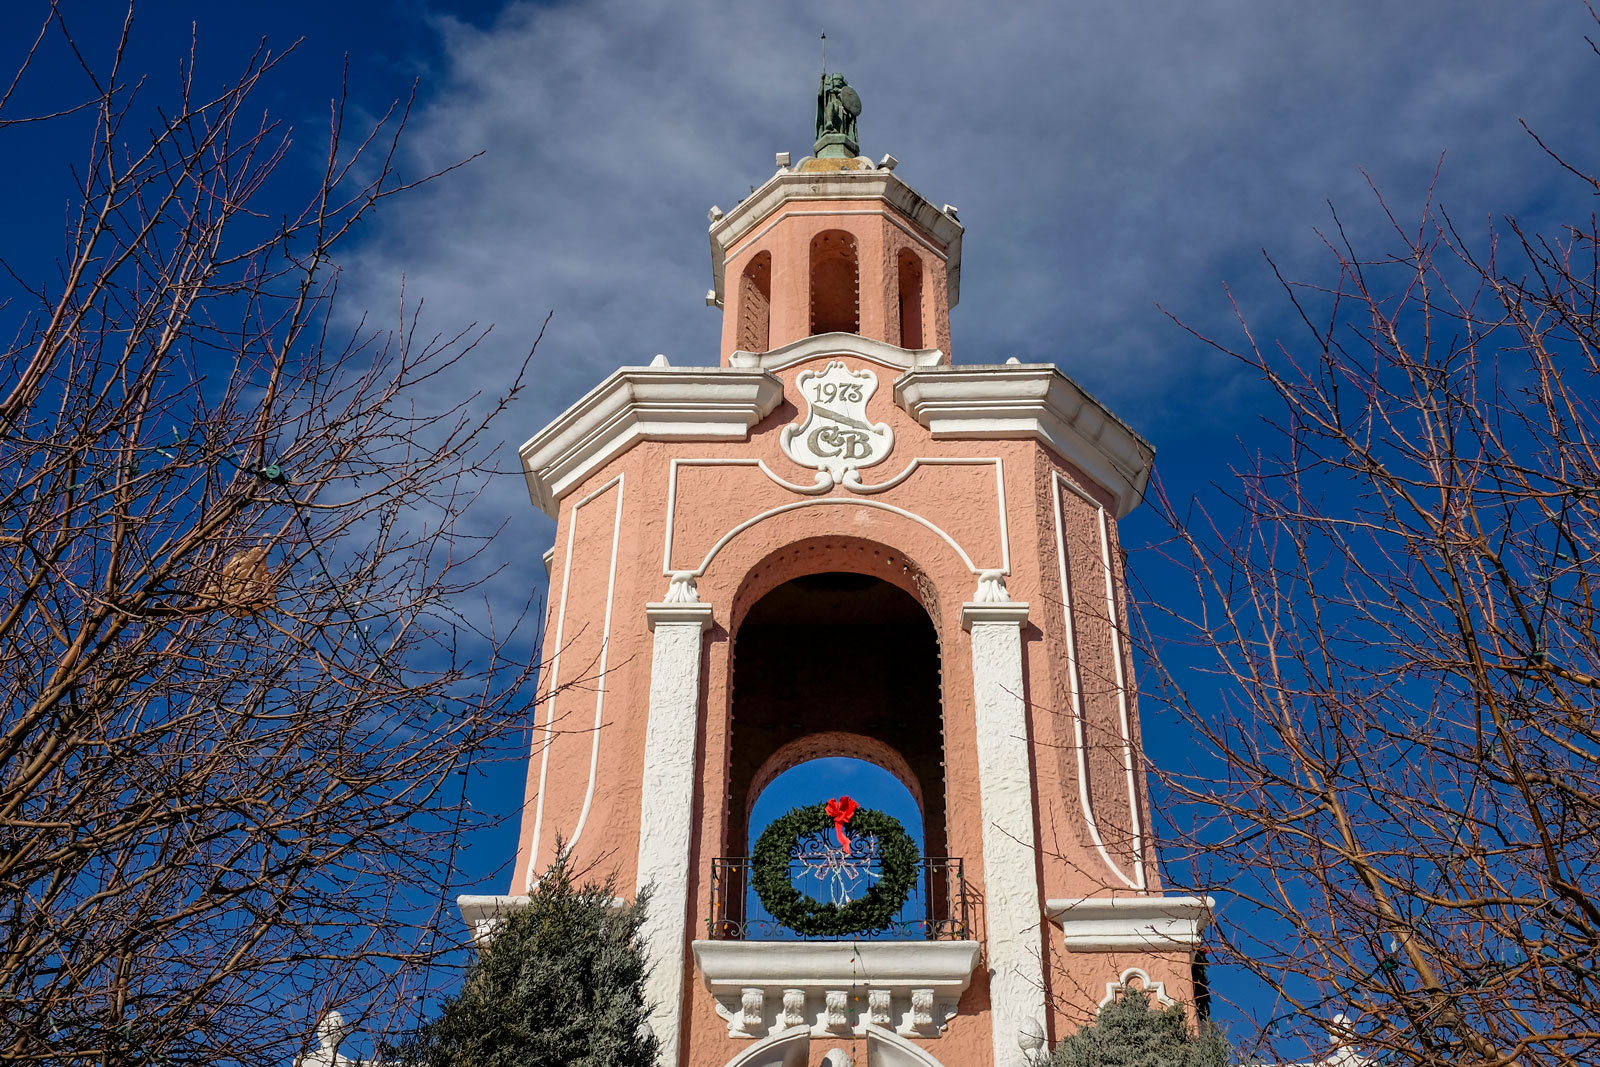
x: 243, y: 665
x: 1388, y: 650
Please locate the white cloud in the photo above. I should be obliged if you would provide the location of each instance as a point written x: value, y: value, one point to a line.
x: 1105, y: 157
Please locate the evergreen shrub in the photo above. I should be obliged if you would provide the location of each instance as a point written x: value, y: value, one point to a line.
x: 560, y: 983
x: 1129, y: 1033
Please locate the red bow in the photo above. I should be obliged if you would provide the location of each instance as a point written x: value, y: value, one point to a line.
x: 840, y: 811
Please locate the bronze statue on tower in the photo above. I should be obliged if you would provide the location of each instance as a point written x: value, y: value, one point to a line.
x: 838, y: 106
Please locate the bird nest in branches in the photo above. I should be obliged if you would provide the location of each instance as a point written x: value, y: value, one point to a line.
x: 243, y: 586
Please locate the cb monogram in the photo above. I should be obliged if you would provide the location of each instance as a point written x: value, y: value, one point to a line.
x: 835, y: 437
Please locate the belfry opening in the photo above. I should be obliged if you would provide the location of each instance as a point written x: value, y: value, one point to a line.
x: 835, y: 283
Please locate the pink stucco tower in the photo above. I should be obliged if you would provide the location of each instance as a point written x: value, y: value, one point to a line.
x: 832, y: 541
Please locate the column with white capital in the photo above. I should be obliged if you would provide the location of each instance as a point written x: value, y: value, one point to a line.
x: 665, y: 824
x: 1011, y: 890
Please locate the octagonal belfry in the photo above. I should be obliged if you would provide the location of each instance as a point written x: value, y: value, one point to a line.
x: 834, y: 542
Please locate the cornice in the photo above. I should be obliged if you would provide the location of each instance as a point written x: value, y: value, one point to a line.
x: 643, y: 404
x: 1030, y: 400
x: 943, y: 966
x: 879, y: 184
x: 838, y: 344
x: 1119, y: 924
x: 775, y: 990
x: 483, y: 913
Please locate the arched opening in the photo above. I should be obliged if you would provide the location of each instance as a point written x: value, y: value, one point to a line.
x: 910, y: 299
x: 755, y: 304
x: 815, y: 781
x: 835, y: 297
x: 834, y: 674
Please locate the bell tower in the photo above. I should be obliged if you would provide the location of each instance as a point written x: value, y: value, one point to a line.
x: 835, y: 542
x: 835, y: 246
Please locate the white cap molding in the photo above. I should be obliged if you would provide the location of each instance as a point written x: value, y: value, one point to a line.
x: 881, y: 185
x: 1121, y: 924
x: 1010, y: 400
x: 837, y: 344
x: 643, y: 404
x: 1014, y: 613
x: 483, y: 913
x: 670, y: 612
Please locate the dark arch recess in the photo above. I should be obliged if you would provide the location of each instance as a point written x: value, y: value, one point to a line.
x: 755, y: 304
x: 835, y: 283
x: 813, y: 555
x: 837, y: 663
x: 910, y: 299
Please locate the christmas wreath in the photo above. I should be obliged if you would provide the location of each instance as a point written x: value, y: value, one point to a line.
x: 784, y: 842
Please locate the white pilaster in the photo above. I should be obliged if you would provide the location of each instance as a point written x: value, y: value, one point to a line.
x: 1011, y: 890
x: 665, y: 822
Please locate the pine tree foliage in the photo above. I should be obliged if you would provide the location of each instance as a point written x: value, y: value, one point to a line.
x: 1128, y: 1033
x: 559, y: 984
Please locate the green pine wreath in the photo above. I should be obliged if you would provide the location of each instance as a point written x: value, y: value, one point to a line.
x: 873, y: 912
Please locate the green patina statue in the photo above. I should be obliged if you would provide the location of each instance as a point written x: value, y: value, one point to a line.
x: 838, y: 105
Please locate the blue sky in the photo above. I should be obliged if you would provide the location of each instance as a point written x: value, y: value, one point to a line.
x: 1106, y: 159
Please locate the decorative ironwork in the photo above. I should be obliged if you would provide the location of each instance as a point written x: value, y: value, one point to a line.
x: 845, y: 874
x: 936, y: 910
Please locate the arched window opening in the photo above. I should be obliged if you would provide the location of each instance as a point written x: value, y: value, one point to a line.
x: 865, y: 782
x: 836, y: 691
x: 872, y: 787
x: 910, y: 299
x: 755, y: 304
x: 835, y: 298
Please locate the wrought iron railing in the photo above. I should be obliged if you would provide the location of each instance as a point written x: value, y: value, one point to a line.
x: 937, y: 909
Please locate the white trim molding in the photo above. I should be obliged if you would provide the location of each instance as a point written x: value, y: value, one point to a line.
x: 821, y: 345
x: 787, y: 1048
x: 792, y: 1048
x: 554, y: 690
x: 881, y: 185
x: 1131, y: 924
x: 766, y: 988
x: 1005, y: 791
x: 668, y: 564
x: 1035, y: 400
x: 643, y: 404
x: 1125, y: 982
x: 1138, y: 880
x: 846, y: 502
x: 667, y: 800
x: 483, y: 913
